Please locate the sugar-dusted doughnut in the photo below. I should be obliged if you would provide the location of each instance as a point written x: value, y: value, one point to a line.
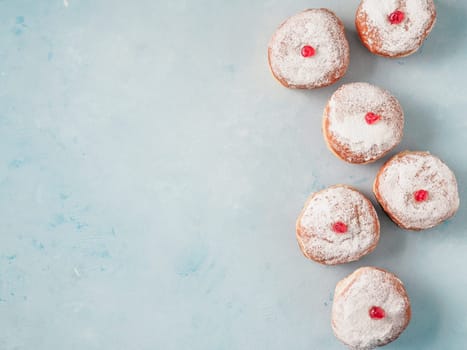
x: 370, y: 308
x: 309, y: 50
x: 417, y: 190
x: 362, y: 123
x: 394, y: 28
x: 337, y: 225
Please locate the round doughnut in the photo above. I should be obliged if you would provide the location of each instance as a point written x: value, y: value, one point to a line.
x: 417, y: 190
x: 370, y: 308
x: 337, y: 225
x: 309, y: 50
x: 362, y: 123
x: 394, y: 28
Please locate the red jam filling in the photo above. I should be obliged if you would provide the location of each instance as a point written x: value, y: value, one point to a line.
x: 421, y: 195
x: 377, y: 313
x: 396, y: 17
x: 372, y: 118
x: 308, y: 51
x: 339, y: 227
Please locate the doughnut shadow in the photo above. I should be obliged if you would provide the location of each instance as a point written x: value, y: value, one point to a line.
x: 426, y: 317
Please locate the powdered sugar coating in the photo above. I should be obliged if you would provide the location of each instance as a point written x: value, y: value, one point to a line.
x: 343, y: 204
x: 395, y: 40
x: 319, y: 28
x: 355, y: 295
x: 348, y: 133
x: 409, y: 172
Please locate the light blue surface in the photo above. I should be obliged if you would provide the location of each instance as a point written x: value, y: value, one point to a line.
x: 152, y: 171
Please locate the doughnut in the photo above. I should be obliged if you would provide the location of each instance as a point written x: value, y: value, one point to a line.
x: 337, y: 225
x: 394, y: 28
x: 362, y: 123
x: 370, y: 308
x: 309, y: 50
x: 417, y: 190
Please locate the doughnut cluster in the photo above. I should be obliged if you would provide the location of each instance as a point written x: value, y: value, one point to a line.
x: 363, y: 123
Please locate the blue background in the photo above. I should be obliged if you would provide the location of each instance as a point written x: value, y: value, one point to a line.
x: 151, y: 171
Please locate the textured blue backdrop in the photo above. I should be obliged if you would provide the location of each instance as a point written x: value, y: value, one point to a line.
x: 151, y: 171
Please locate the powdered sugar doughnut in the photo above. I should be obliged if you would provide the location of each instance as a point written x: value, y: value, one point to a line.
x: 309, y: 50
x: 337, y: 225
x: 417, y: 190
x: 362, y: 123
x: 394, y: 28
x: 370, y: 308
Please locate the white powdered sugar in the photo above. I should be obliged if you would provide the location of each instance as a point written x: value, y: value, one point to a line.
x: 325, y: 208
x: 396, y: 39
x: 347, y: 129
x: 356, y: 295
x: 322, y: 30
x: 409, y: 172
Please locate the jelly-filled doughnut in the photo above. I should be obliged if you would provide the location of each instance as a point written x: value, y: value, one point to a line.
x: 394, y: 28
x: 337, y: 225
x: 362, y: 123
x: 309, y: 50
x: 417, y: 190
x: 370, y: 308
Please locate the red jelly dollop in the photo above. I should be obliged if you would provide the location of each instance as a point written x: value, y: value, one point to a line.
x: 377, y: 313
x: 421, y: 195
x: 339, y: 227
x: 396, y: 17
x: 372, y: 118
x: 308, y: 51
